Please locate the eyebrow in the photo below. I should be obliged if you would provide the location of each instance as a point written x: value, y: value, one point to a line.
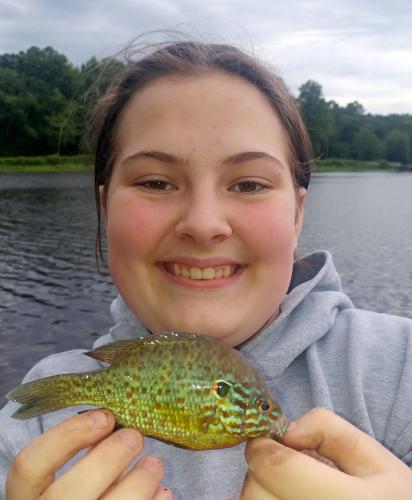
x: 178, y: 160
x: 251, y: 155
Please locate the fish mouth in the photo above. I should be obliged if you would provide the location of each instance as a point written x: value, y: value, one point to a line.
x: 278, y: 429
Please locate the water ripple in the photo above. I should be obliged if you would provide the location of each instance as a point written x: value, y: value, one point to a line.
x: 52, y: 298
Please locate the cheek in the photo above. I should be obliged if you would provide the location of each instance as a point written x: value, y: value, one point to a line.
x: 134, y: 226
x: 269, y: 229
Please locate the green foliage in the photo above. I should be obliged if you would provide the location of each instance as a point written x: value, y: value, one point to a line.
x: 397, y: 146
x: 51, y: 163
x: 344, y: 165
x: 366, y: 146
x: 316, y: 114
x: 347, y: 132
x: 46, y: 160
x: 45, y: 101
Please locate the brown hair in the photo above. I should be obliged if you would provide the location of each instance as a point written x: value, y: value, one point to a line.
x: 192, y: 58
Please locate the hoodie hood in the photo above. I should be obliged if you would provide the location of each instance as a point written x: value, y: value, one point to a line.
x: 308, y: 311
x: 126, y: 324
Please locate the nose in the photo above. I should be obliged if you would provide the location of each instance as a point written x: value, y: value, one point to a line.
x: 203, y: 219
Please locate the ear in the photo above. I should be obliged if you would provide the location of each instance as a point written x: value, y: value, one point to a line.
x: 301, y: 194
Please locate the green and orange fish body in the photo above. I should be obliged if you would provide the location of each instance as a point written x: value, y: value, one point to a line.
x: 183, y: 388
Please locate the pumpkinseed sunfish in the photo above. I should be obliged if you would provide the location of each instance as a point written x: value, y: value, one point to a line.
x: 183, y: 388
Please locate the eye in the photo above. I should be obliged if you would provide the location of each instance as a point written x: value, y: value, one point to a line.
x: 221, y: 388
x: 248, y: 187
x: 157, y: 185
x: 264, y: 405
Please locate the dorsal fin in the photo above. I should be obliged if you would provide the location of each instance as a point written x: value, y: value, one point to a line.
x: 109, y: 353
x: 177, y: 336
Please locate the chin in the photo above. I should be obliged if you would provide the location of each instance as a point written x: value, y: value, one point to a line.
x: 218, y: 331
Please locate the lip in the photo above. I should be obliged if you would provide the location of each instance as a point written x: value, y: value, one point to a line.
x: 204, y: 284
x: 279, y: 428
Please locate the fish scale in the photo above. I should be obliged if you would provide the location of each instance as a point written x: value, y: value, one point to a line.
x: 183, y: 388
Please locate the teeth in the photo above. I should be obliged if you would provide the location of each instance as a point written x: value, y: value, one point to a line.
x: 208, y: 273
x: 196, y: 273
x: 226, y: 272
x: 185, y: 272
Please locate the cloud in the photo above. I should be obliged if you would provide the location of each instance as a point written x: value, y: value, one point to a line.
x: 356, y: 49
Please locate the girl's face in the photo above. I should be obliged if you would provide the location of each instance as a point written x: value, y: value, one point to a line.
x: 202, y: 216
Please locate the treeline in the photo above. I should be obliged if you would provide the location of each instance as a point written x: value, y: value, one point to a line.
x: 44, y: 101
x: 348, y: 132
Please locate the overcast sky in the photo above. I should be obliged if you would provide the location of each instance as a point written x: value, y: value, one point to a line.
x: 356, y: 49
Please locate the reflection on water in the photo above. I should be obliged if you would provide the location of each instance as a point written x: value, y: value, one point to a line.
x: 52, y: 298
x: 365, y: 221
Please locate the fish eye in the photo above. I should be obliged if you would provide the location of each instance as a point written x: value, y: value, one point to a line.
x: 221, y: 388
x: 264, y: 405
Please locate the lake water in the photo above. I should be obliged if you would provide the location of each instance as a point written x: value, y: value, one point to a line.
x: 53, y: 299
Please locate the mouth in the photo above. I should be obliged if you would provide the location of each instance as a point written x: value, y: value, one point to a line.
x: 278, y: 430
x: 201, y: 273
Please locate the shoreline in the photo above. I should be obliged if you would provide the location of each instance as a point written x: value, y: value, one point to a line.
x: 46, y: 164
x: 44, y: 169
x: 84, y: 163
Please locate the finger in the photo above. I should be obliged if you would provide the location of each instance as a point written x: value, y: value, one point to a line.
x: 141, y: 483
x: 332, y: 437
x: 291, y: 475
x: 93, y: 475
x: 34, y: 468
x: 252, y: 489
x: 120, y: 477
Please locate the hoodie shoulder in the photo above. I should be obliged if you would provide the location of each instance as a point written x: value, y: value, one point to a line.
x: 62, y: 362
x: 15, y: 434
x: 375, y: 352
x: 372, y: 329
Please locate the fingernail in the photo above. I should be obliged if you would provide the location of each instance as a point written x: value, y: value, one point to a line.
x: 151, y: 464
x: 163, y: 493
x: 99, y: 418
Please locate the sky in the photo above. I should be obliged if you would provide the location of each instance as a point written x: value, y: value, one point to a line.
x: 358, y: 50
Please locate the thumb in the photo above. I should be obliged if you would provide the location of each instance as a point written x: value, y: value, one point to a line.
x: 290, y: 475
x: 353, y: 451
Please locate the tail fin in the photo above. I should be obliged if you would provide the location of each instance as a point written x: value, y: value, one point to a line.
x: 45, y: 395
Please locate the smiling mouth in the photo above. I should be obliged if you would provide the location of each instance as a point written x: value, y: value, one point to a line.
x: 197, y: 273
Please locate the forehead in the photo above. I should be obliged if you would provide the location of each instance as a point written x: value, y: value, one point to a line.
x: 213, y: 109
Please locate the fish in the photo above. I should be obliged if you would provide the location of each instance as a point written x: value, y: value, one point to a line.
x: 186, y: 389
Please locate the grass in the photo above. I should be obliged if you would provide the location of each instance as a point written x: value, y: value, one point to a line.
x: 342, y: 165
x: 84, y: 163
x: 46, y: 164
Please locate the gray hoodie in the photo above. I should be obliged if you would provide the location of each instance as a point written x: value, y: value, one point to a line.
x: 320, y: 351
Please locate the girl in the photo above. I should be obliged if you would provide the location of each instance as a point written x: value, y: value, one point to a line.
x: 202, y: 170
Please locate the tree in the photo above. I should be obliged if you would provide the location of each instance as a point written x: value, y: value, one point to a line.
x: 45, y: 101
x: 366, y: 146
x: 96, y: 78
x: 36, y: 96
x: 316, y: 115
x: 397, y: 147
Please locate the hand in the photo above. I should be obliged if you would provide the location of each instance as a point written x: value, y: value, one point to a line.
x: 366, y: 470
x: 102, y: 473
